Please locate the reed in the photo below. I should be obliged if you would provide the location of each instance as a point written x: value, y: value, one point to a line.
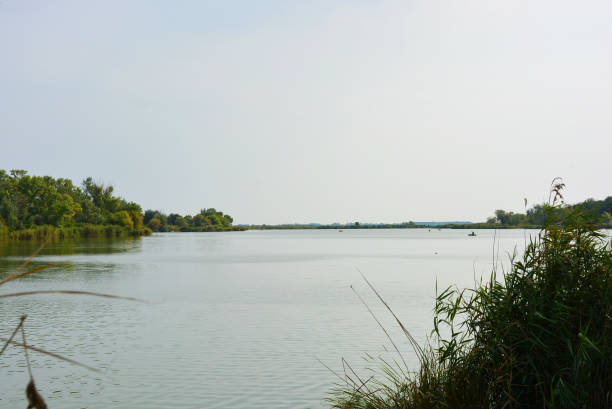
x: 47, y: 232
x: 536, y: 336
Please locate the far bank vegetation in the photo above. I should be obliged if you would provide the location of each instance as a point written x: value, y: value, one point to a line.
x: 43, y: 207
x: 207, y: 220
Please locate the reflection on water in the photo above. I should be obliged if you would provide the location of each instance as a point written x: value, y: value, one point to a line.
x: 235, y: 320
x: 70, y: 260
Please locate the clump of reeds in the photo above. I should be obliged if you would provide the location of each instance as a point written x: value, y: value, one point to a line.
x: 536, y: 336
x: 80, y: 231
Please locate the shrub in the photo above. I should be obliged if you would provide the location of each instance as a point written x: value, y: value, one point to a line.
x: 538, y: 336
x: 123, y: 218
x: 154, y: 224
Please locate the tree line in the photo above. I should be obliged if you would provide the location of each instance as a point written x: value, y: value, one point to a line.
x: 207, y: 220
x: 536, y: 216
x: 29, y: 202
x: 43, y: 206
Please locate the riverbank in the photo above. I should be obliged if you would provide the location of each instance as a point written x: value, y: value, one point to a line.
x: 88, y: 231
x: 72, y: 232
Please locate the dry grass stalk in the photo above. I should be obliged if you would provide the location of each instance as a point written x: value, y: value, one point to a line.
x: 8, y: 340
x: 51, y: 354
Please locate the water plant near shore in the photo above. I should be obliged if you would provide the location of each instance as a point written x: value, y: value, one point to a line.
x: 83, y: 231
x: 536, y: 336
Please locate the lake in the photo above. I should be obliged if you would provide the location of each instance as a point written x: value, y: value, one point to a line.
x: 232, y: 320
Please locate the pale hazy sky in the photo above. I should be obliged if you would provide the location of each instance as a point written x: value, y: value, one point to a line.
x: 312, y: 111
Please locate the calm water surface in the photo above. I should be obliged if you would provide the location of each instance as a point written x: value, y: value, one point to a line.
x: 234, y: 320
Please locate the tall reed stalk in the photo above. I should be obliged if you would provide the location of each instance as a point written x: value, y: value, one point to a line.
x: 536, y: 336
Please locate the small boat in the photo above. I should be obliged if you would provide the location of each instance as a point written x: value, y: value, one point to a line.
x: 340, y: 231
x: 472, y: 234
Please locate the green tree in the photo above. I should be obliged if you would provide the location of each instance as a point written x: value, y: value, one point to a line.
x: 123, y: 218
x: 101, y: 196
x: 177, y: 220
x: 227, y: 220
x: 215, y: 219
x: 199, y: 220
x: 154, y: 224
x: 501, y: 216
x: 150, y: 214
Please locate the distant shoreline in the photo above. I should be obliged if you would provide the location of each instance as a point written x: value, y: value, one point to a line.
x: 467, y: 226
x: 41, y: 233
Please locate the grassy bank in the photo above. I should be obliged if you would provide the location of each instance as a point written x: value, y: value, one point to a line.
x: 72, y: 232
x: 537, y: 336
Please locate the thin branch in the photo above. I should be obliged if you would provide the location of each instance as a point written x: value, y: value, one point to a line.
x: 32, y: 271
x: 42, y: 351
x: 70, y: 292
x: 24, y: 265
x: 23, y: 317
x: 25, y: 351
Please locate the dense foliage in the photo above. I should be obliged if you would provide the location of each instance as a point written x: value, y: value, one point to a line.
x: 38, y: 207
x: 27, y: 203
x: 600, y: 210
x: 538, y: 337
x: 206, y: 220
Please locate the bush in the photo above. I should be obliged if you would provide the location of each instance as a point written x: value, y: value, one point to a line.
x: 539, y: 336
x: 123, y: 218
x: 154, y: 224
